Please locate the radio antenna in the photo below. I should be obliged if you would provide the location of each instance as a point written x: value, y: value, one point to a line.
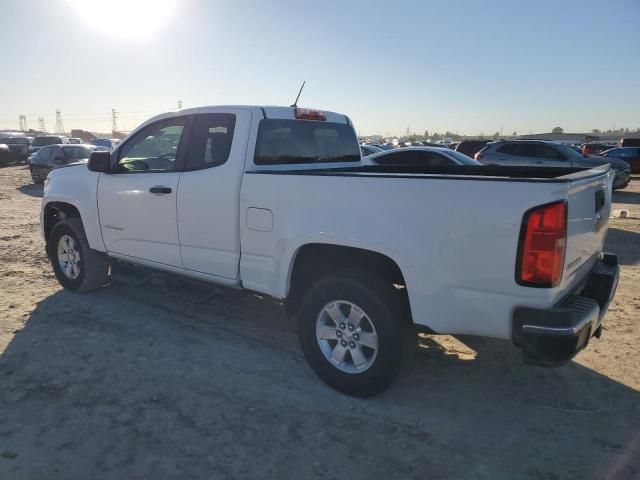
x: 295, y: 104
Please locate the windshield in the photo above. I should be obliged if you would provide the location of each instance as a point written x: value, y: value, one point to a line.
x: 374, y: 148
x: 44, y: 141
x: 15, y: 140
x: 569, y: 152
x: 462, y: 158
x: 77, y: 152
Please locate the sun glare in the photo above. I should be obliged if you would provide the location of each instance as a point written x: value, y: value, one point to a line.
x: 125, y: 19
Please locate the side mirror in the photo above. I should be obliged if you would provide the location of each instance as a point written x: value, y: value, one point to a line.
x: 100, y: 162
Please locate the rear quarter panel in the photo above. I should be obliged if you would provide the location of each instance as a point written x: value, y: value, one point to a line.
x: 454, y: 240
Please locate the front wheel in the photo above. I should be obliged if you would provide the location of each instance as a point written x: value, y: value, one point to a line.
x: 355, y: 333
x: 76, y: 266
x: 36, y: 176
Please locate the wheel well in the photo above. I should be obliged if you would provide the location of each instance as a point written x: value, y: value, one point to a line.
x: 314, y: 261
x: 55, y: 212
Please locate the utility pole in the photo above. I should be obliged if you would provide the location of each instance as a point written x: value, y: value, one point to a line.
x: 114, y: 120
x: 179, y: 104
x: 41, y: 125
x: 23, y: 123
x: 59, y: 125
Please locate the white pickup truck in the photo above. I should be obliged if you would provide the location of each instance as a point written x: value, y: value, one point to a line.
x: 276, y: 200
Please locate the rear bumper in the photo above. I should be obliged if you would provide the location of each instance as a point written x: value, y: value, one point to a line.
x: 551, y: 337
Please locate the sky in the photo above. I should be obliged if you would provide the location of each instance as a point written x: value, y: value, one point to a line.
x: 466, y: 66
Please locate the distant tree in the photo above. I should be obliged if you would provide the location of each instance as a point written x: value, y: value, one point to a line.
x: 496, y: 136
x: 557, y: 130
x: 626, y: 130
x: 435, y: 136
x: 514, y: 134
x: 426, y: 134
x: 595, y: 131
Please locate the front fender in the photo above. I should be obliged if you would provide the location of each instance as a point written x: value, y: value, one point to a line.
x: 76, y: 186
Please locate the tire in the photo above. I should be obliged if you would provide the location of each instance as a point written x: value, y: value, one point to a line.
x: 36, y: 176
x: 91, y: 269
x: 384, y: 315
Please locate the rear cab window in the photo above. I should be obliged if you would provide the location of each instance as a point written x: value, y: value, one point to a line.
x: 305, y: 142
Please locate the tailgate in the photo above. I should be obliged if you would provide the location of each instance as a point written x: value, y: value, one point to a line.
x: 589, y: 207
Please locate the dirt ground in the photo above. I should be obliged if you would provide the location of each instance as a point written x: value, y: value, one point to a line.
x: 126, y: 383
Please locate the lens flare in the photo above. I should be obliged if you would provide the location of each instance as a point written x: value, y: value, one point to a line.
x: 125, y: 19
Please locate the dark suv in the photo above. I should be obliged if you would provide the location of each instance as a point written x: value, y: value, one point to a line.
x: 539, y: 153
x: 471, y: 147
x: 18, y: 147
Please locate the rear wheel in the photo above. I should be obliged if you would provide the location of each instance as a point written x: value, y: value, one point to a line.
x: 354, y: 332
x: 76, y: 266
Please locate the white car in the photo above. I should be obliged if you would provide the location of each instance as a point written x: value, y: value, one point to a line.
x: 276, y: 200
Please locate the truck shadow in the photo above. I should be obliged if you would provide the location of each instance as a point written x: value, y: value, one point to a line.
x: 622, y: 196
x: 102, y: 382
x: 32, y: 189
x: 625, y: 244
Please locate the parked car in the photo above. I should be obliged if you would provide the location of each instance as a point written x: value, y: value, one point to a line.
x: 76, y: 141
x: 370, y: 149
x: 266, y: 198
x: 385, y: 146
x: 421, y: 156
x: 594, y: 148
x: 54, y: 156
x: 471, y: 147
x: 18, y: 147
x: 103, y: 142
x: 44, y: 140
x: 630, y: 142
x: 631, y: 155
x: 548, y: 154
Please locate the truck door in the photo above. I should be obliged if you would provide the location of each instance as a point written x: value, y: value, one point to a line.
x: 209, y: 192
x: 137, y: 203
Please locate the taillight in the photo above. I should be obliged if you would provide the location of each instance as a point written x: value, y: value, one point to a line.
x: 307, y: 114
x: 543, y: 241
x: 477, y: 156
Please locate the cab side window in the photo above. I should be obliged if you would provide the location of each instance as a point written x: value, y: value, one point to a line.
x: 154, y: 149
x: 543, y: 151
x: 210, y: 140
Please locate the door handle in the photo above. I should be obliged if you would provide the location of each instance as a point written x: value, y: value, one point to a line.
x: 160, y: 190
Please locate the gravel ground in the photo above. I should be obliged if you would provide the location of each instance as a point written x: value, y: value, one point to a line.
x: 127, y: 383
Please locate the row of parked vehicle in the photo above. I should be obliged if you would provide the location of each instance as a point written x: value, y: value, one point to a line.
x: 19, y: 147
x: 43, y: 153
x: 624, y: 160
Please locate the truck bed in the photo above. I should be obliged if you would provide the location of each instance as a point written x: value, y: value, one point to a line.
x: 490, y: 172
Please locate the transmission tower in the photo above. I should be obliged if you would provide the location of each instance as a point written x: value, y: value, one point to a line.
x: 41, y: 126
x: 179, y: 104
x: 23, y: 123
x: 59, y: 125
x: 114, y: 120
